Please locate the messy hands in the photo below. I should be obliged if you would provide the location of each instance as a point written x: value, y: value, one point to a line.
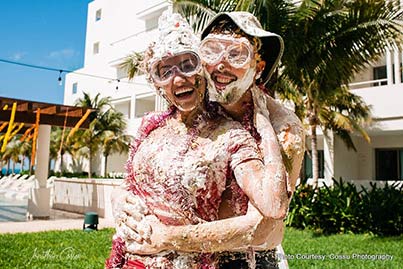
x: 143, y: 233
x: 155, y: 241
x: 129, y: 212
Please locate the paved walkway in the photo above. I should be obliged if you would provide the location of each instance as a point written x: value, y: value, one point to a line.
x: 60, y: 220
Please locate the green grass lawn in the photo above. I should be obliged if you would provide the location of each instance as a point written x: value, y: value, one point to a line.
x: 79, y: 250
x: 342, y: 251
x: 55, y: 250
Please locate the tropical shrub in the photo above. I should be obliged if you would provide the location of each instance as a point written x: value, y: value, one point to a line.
x: 345, y: 208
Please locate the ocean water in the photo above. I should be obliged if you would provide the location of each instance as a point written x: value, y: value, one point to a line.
x: 4, y: 171
x: 12, y: 209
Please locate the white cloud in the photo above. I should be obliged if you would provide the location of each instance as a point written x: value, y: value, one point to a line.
x: 64, y: 53
x: 18, y: 56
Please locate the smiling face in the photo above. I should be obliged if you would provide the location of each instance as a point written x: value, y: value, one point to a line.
x: 178, y: 77
x: 231, y: 71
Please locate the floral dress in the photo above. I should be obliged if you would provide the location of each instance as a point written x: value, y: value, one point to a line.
x: 180, y: 173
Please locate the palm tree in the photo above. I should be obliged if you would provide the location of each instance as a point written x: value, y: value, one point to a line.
x: 59, y: 144
x: 25, y: 152
x: 90, y: 139
x: 132, y: 64
x: 13, y: 152
x: 326, y: 44
x: 114, y: 139
x: 106, y: 125
x: 114, y: 144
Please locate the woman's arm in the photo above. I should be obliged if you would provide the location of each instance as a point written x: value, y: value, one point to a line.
x: 222, y: 235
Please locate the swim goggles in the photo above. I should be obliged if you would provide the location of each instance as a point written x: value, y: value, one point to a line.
x: 237, y: 52
x: 186, y: 64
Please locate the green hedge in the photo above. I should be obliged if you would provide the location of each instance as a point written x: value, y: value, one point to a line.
x: 345, y: 208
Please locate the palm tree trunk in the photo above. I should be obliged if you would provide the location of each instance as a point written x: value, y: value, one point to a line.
x: 8, y: 167
x: 89, y: 165
x: 30, y: 166
x: 61, y: 162
x: 106, y: 166
x: 315, y: 163
x: 22, y: 163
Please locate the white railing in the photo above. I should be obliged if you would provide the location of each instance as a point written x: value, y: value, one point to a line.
x: 368, y: 83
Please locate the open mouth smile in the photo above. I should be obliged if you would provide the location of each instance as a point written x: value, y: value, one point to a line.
x: 222, y: 80
x: 184, y: 92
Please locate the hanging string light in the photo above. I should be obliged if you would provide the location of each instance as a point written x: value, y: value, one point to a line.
x: 60, y: 78
x: 68, y: 71
x: 117, y: 85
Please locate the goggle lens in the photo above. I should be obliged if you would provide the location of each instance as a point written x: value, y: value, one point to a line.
x: 238, y: 54
x: 187, y: 64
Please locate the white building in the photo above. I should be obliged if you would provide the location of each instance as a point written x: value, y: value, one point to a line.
x: 381, y: 87
x: 116, y: 28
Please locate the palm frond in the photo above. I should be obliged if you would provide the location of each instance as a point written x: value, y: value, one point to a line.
x: 199, y: 13
x: 132, y: 64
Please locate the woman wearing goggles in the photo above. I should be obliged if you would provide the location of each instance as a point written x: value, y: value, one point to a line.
x: 181, y: 162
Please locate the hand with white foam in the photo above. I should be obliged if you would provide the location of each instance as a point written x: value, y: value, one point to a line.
x: 261, y: 113
x: 129, y: 211
x: 157, y: 236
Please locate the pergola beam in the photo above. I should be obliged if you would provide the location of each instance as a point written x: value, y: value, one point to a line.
x: 47, y: 119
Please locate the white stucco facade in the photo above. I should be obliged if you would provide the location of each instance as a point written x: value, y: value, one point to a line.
x: 116, y: 28
x: 385, y: 96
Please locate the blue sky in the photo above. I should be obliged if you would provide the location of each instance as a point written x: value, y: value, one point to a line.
x: 40, y: 32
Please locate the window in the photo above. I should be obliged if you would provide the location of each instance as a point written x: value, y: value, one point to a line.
x: 74, y: 88
x: 98, y: 15
x: 389, y: 164
x: 380, y: 73
x: 96, y: 48
x: 308, y: 164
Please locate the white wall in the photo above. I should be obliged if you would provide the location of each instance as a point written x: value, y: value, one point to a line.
x: 124, y: 28
x: 360, y: 165
x: 83, y: 195
x: 386, y: 100
x: 345, y: 161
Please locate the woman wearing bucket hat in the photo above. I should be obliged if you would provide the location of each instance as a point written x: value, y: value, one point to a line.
x: 183, y: 158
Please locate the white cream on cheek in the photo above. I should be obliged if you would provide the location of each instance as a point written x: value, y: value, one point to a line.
x: 233, y: 91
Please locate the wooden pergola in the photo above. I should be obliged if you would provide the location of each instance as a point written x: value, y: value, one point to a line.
x: 51, y: 114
